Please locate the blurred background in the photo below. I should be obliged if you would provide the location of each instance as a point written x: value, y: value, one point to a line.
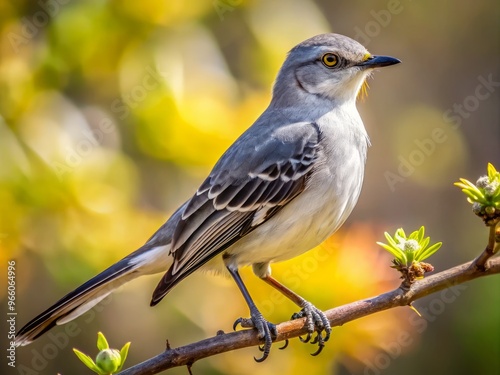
x: 113, y: 112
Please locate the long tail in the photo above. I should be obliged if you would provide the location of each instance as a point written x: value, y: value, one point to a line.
x: 146, y: 260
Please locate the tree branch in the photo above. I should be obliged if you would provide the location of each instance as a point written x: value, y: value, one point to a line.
x: 224, y: 342
x: 490, y: 250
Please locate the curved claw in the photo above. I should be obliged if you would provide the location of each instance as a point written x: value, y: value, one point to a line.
x: 316, y: 339
x: 320, y: 349
x: 261, y: 359
x: 316, y: 321
x: 308, y: 337
x: 266, y: 332
x: 236, y: 323
x: 266, y: 348
x: 321, y: 343
x: 326, y: 327
x: 327, y: 334
x: 297, y: 315
x: 284, y: 345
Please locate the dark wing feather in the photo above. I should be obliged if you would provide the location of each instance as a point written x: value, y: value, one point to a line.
x: 246, y: 187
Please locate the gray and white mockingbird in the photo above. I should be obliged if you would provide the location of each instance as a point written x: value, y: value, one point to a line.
x: 286, y: 184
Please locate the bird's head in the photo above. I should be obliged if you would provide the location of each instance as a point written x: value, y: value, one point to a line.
x: 331, y: 66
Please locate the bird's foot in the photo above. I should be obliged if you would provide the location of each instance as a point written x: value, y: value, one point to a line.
x: 316, y: 321
x: 266, y: 331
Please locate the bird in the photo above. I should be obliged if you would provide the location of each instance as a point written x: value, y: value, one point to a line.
x: 282, y: 188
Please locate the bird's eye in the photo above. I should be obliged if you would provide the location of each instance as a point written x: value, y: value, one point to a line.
x: 330, y: 60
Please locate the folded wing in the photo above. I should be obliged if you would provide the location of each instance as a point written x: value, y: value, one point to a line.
x: 247, y: 186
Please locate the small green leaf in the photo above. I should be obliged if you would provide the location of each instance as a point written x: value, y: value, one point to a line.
x: 423, y: 244
x: 421, y: 233
x: 460, y: 185
x: 391, y: 240
x: 397, y: 253
x: 429, y: 251
x: 467, y: 184
x: 124, y: 353
x: 492, y: 172
x: 102, y: 343
x: 473, y: 196
x: 87, y: 361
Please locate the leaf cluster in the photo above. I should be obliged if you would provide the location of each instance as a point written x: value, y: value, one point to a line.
x: 484, y: 195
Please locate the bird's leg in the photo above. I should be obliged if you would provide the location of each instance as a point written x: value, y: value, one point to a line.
x: 316, y: 320
x: 266, y: 331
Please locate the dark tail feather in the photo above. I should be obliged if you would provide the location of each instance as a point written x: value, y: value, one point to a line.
x: 78, y: 301
x: 151, y: 258
x: 167, y: 282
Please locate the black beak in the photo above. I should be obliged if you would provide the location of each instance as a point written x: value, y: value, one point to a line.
x: 379, y: 61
